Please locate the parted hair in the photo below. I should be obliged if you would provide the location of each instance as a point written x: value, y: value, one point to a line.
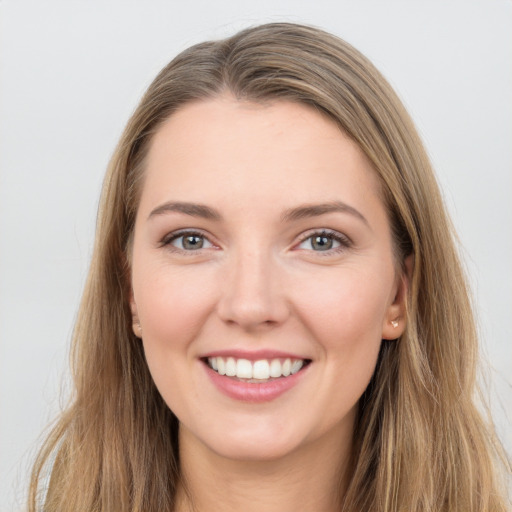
x: 421, y: 441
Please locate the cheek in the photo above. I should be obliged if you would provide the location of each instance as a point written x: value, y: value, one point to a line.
x: 172, y: 311
x: 346, y: 322
x: 345, y: 310
x: 172, y: 306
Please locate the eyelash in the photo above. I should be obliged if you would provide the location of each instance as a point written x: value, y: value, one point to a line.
x: 343, y: 240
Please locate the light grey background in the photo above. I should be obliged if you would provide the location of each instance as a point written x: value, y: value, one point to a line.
x: 71, y: 72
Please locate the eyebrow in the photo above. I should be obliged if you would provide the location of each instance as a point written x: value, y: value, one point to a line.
x: 315, y: 210
x: 297, y: 213
x: 192, y: 209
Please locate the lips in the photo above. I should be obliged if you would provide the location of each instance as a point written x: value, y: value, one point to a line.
x: 254, y: 377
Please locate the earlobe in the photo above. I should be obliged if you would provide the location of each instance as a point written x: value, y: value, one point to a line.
x: 396, y: 318
x: 136, y: 327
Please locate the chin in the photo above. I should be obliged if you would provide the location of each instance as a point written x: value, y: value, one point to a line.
x: 265, y: 451
x: 244, y: 444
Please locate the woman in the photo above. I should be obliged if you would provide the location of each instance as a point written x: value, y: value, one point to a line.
x: 275, y: 316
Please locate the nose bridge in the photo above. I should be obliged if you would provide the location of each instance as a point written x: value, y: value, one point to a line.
x: 251, y: 294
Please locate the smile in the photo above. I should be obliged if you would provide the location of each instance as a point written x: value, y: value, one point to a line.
x: 256, y: 371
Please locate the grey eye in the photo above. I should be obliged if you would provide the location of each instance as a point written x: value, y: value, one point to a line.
x: 320, y: 242
x: 191, y: 242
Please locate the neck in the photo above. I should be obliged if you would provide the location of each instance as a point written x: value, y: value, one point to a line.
x: 313, y: 477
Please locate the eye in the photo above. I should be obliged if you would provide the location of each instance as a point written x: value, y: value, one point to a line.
x: 324, y: 241
x: 188, y: 241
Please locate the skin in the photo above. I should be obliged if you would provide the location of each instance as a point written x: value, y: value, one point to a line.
x: 260, y: 283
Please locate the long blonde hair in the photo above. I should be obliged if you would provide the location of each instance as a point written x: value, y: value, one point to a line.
x: 420, y: 442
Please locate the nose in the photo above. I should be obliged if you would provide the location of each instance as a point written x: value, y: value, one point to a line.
x: 253, y: 296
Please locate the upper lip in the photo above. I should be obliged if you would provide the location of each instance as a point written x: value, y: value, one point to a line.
x: 253, y: 355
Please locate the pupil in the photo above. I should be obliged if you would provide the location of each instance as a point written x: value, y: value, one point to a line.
x: 322, y: 243
x: 193, y: 242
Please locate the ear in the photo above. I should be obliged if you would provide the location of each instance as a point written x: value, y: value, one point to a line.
x: 136, y: 327
x: 395, y: 320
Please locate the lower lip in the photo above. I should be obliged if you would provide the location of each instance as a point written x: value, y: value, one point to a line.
x: 253, y: 392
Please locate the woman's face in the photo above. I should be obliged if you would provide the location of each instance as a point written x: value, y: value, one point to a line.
x: 263, y: 276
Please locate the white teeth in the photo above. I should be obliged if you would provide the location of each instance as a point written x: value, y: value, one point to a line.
x: 262, y: 369
x: 296, y: 366
x: 244, y: 369
x: 275, y: 368
x: 221, y: 366
x: 230, y: 367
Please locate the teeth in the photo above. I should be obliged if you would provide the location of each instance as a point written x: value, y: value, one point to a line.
x: 230, y: 367
x: 275, y: 368
x: 262, y: 369
x: 221, y: 366
x: 296, y: 366
x: 287, y: 366
x: 243, y: 369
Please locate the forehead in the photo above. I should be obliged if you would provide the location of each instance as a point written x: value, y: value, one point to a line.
x: 237, y: 152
